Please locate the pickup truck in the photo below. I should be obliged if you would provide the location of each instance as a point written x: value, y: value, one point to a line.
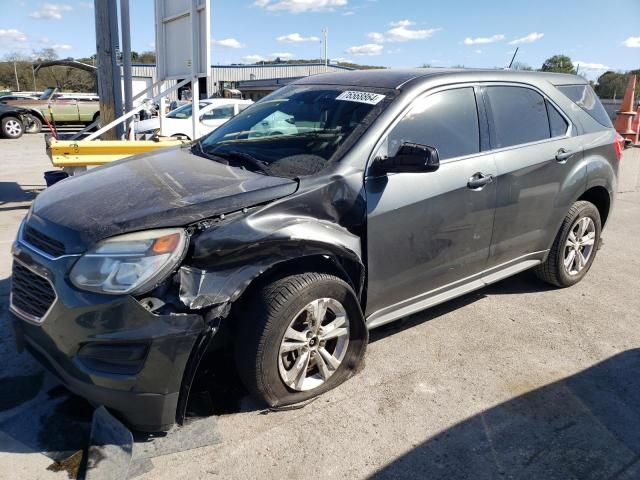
x: 66, y: 109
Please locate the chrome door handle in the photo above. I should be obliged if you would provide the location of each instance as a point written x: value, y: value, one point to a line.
x: 479, y: 180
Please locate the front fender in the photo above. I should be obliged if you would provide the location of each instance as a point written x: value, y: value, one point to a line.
x: 227, y: 259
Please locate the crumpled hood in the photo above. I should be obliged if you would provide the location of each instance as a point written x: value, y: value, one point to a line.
x: 166, y: 188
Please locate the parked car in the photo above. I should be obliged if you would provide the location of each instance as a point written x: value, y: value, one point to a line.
x: 17, y: 96
x: 13, y: 121
x: 78, y: 110
x: 402, y: 189
x: 177, y: 123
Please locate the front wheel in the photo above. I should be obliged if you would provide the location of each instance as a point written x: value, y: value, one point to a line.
x: 34, y: 124
x: 574, y: 248
x: 301, y: 336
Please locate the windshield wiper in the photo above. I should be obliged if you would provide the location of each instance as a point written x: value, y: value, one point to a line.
x: 246, y: 158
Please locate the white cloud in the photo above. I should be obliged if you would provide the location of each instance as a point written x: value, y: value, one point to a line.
x: 61, y: 46
x: 632, y: 42
x: 50, y: 11
x: 376, y: 37
x: 228, y: 43
x: 401, y: 32
x: 348, y: 13
x: 483, y: 40
x: 478, y: 51
x: 367, y: 49
x: 590, y: 66
x: 12, y: 35
x: 281, y: 56
x: 532, y: 37
x: 271, y: 57
x: 253, y: 59
x: 300, y: 6
x: 296, y: 38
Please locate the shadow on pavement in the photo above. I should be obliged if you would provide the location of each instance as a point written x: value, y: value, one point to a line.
x: 525, y: 282
x: 586, y: 426
x: 14, y: 197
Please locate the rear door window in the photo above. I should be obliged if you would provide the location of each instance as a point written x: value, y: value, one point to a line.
x: 519, y: 116
x: 586, y: 99
x: 446, y: 120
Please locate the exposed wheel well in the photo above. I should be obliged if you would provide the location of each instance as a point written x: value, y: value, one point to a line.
x: 348, y: 270
x: 221, y: 344
x: 37, y: 114
x: 599, y: 196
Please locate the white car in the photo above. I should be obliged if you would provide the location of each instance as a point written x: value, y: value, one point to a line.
x: 213, y: 113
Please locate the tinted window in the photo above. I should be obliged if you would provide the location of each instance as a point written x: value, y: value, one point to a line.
x: 446, y: 120
x: 556, y: 121
x: 519, y: 116
x: 585, y: 98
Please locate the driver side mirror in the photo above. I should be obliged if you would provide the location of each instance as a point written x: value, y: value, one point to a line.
x: 412, y: 158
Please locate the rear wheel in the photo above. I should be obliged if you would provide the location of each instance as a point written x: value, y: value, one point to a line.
x: 96, y: 118
x: 301, y: 336
x: 11, y: 127
x: 574, y: 248
x: 34, y: 124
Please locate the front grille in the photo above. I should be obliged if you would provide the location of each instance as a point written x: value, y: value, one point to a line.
x: 43, y: 242
x: 30, y: 293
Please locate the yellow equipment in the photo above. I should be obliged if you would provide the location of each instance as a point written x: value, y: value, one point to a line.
x: 76, y: 155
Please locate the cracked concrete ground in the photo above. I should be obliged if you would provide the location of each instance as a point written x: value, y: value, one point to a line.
x: 514, y: 381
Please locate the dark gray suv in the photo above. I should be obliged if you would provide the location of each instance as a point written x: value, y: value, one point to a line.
x: 335, y: 205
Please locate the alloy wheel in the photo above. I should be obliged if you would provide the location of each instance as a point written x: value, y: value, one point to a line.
x: 13, y: 128
x: 579, y: 245
x: 314, y: 344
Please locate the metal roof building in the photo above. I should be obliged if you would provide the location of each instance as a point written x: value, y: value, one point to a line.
x: 228, y: 76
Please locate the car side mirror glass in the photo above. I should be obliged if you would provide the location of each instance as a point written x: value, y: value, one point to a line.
x: 413, y: 157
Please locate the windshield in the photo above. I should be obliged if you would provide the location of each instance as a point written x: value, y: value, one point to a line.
x: 184, y: 111
x: 296, y: 130
x: 47, y: 93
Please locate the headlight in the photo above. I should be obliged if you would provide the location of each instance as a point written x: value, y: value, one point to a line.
x: 135, y: 262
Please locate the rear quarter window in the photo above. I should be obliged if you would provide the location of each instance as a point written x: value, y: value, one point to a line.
x: 587, y: 100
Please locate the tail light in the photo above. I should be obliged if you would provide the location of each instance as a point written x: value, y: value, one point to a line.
x: 618, y: 144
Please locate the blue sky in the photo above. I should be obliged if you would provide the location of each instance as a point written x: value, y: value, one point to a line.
x: 392, y: 33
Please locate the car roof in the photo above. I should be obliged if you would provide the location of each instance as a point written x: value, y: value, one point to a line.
x: 399, y: 78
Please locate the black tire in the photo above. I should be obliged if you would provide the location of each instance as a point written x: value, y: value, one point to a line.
x: 262, y: 326
x: 35, y: 124
x: 553, y: 270
x: 96, y: 117
x: 11, y: 127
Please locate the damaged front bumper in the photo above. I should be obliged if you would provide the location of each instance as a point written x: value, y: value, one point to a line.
x: 110, y: 350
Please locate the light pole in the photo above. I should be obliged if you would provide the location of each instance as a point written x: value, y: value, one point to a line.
x: 325, y: 31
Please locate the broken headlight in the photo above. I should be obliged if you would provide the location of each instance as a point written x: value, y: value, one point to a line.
x: 131, y: 263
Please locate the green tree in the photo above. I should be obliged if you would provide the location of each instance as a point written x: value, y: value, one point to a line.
x: 613, y: 84
x: 558, y: 64
x: 521, y: 66
x: 148, y: 58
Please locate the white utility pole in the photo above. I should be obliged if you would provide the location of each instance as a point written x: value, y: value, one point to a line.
x: 15, y: 70
x: 125, y: 24
x: 325, y: 31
